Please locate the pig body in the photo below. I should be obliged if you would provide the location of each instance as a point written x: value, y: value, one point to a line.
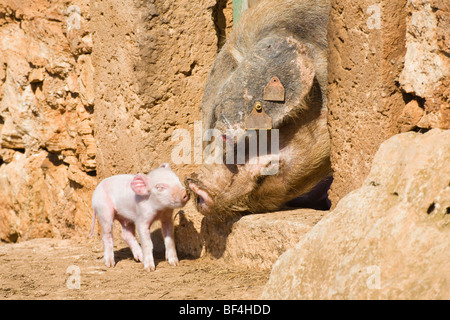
x: 276, y: 38
x: 136, y: 201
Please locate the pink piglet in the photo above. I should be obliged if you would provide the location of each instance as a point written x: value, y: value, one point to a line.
x: 136, y: 201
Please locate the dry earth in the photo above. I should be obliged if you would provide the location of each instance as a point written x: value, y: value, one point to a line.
x: 41, y: 269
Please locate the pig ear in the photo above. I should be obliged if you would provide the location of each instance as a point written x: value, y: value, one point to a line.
x: 140, y: 185
x: 299, y: 83
x: 165, y: 165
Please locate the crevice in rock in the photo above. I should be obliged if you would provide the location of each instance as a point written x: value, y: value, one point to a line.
x: 191, y: 67
x: 408, y: 97
x: 431, y: 208
x: 21, y: 150
x: 54, y: 159
x: 219, y: 20
x: 89, y: 109
x: 420, y: 130
x: 75, y: 185
x: 92, y: 173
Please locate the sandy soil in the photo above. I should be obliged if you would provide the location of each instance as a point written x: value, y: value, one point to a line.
x: 53, y: 269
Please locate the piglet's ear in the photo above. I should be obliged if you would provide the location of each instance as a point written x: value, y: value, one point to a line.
x: 140, y: 185
x: 165, y: 165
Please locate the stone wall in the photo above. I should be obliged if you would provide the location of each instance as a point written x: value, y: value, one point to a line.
x: 47, y: 147
x: 151, y: 60
x: 388, y: 73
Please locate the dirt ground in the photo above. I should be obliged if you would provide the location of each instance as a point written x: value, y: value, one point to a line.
x: 74, y: 269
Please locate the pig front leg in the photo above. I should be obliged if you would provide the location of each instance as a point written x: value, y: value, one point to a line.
x: 143, y: 229
x: 169, y: 241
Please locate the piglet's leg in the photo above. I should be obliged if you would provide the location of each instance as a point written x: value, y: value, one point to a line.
x: 128, y: 234
x: 105, y: 212
x: 143, y: 229
x: 169, y: 241
x: 107, y: 238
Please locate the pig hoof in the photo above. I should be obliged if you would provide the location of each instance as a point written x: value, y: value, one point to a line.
x: 110, y: 263
x: 138, y: 257
x: 173, y: 262
x: 149, y: 267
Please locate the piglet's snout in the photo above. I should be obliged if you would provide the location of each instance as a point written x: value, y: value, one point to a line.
x: 181, y: 195
x: 184, y: 195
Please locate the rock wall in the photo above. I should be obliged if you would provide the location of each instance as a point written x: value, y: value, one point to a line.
x: 151, y: 60
x: 388, y: 73
x: 47, y: 147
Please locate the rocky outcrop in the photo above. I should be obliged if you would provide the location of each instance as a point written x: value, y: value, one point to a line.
x: 47, y: 146
x: 426, y: 73
x: 389, y: 239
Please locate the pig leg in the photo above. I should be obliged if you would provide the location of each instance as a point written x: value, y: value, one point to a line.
x: 105, y: 211
x: 169, y: 241
x: 143, y: 229
x: 128, y: 234
x: 107, y: 238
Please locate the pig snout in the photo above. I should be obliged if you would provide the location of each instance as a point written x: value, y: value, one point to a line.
x: 178, y: 197
x: 183, y: 195
x: 203, y: 200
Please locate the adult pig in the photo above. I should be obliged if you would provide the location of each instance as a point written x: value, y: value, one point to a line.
x: 136, y: 201
x: 277, y: 38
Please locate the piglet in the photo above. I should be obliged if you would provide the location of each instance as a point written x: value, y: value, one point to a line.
x: 136, y: 201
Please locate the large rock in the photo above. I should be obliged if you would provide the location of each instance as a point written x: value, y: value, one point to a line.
x: 427, y: 63
x: 426, y: 71
x: 388, y: 239
x: 254, y: 241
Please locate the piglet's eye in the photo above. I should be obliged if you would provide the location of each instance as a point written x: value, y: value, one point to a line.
x: 161, y: 186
